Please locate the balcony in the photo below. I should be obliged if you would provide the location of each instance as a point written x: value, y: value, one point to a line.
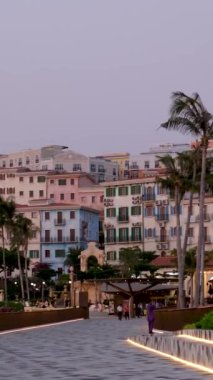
x: 123, y: 219
x: 148, y: 197
x: 162, y: 239
x: 55, y: 240
x: 162, y: 217
x: 59, y: 222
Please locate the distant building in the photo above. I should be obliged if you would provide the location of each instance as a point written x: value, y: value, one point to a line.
x: 122, y: 160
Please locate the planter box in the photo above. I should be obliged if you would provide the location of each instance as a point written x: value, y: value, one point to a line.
x: 12, y: 320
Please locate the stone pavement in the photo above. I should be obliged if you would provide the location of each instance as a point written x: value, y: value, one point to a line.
x: 93, y: 349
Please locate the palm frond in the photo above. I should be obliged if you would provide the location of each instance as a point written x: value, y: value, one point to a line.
x: 181, y: 124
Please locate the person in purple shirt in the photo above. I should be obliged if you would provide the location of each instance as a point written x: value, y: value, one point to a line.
x: 150, y: 308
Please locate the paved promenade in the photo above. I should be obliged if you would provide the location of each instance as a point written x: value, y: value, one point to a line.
x: 92, y: 349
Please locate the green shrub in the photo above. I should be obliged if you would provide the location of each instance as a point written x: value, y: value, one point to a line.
x: 12, y: 306
x: 190, y: 326
x: 206, y: 322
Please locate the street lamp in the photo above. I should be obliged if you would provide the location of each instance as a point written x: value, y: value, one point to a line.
x: 42, y: 291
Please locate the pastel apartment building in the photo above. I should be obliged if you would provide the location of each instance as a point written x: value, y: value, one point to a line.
x: 139, y: 212
x: 60, y: 158
x: 57, y: 228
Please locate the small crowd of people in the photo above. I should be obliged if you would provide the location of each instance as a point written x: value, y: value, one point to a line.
x: 123, y: 311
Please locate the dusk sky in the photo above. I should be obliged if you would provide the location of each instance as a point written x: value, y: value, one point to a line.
x: 97, y: 75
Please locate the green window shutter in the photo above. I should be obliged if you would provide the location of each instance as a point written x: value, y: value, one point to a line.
x: 133, y: 233
x: 114, y: 235
x: 127, y: 212
x: 107, y: 213
x: 120, y: 234
x: 127, y: 234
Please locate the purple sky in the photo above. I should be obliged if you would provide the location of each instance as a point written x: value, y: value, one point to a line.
x: 97, y: 75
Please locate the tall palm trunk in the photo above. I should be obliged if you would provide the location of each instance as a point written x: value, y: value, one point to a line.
x: 26, y: 273
x: 21, y: 277
x: 200, y: 245
x: 181, y: 302
x: 192, y: 289
x: 5, y: 269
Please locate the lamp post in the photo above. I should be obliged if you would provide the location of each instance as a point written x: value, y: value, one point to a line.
x: 42, y: 291
x: 72, y: 289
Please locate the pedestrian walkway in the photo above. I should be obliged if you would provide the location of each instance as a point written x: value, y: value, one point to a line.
x: 94, y: 349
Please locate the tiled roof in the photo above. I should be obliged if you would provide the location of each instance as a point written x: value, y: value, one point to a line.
x: 166, y: 261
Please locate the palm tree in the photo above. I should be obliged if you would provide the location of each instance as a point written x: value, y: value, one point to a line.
x: 177, y: 183
x: 22, y: 233
x: 188, y: 115
x: 7, y: 212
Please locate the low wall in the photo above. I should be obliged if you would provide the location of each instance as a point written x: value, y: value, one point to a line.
x: 10, y: 321
x: 176, y: 319
x: 185, y: 349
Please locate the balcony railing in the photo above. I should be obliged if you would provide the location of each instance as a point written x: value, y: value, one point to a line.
x: 161, y: 239
x: 64, y: 239
x: 162, y: 217
x: 148, y: 197
x: 123, y: 219
x: 59, y: 222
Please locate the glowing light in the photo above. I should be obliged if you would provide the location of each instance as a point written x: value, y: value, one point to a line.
x: 190, y: 337
x: 171, y: 357
x: 38, y: 327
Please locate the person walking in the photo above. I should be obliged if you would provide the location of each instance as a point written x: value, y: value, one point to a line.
x: 150, y: 308
x: 120, y: 312
x: 126, y: 312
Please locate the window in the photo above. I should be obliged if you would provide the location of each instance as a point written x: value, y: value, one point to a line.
x: 21, y: 193
x: 110, y: 212
x: 31, y: 179
x: 34, y: 234
x: 62, y: 182
x: 4, y: 164
x: 47, y: 253
x: 47, y: 236
x: 157, y: 164
x: 36, y: 159
x: 173, y: 231
x: 59, y: 253
x: 135, y: 190
x: 41, y: 193
x: 110, y: 192
x: 146, y: 164
x: 60, y: 235
x: 101, y: 169
x: 21, y: 179
x: 114, y: 172
x: 33, y: 215
x: 111, y: 235
x: 2, y: 177
x: 52, y: 181
x: 19, y: 162
x: 136, y: 233
x: 149, y: 233
x: 149, y: 211
x: 136, y: 210
x: 59, y: 167
x: 51, y: 196
x: 76, y: 167
x: 72, y: 196
x: 61, y: 197
x: 31, y: 194
x: 111, y: 255
x: 34, y: 254
x: 191, y: 232
x: 11, y: 163
x: 93, y: 199
x: 123, y: 190
x: 72, y: 181
x: 41, y: 178
x: 123, y: 234
x: 72, y: 214
x: 27, y: 160
x: 72, y: 235
x: 83, y: 199
x: 93, y: 167
x: 123, y: 214
x: 47, y: 215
